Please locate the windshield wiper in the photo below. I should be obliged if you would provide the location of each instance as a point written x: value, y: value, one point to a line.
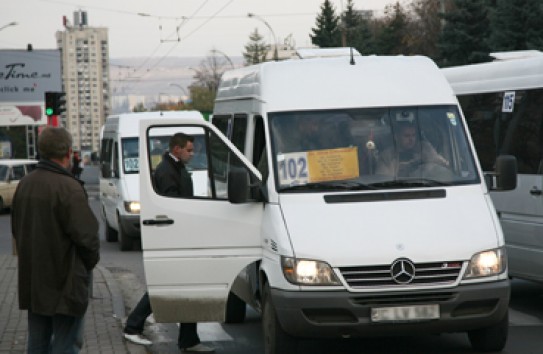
x: 329, y: 186
x: 411, y: 182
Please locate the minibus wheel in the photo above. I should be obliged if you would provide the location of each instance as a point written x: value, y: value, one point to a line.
x: 235, y: 309
x: 125, y: 241
x: 276, y: 340
x: 111, y: 234
x: 490, y: 339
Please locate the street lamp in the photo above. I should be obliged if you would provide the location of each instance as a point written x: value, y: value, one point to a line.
x: 180, y: 87
x: 224, y: 55
x: 9, y: 25
x: 275, y: 55
x: 186, y: 95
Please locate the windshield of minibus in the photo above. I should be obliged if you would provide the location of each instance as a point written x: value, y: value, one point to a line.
x: 158, y: 146
x: 371, y: 148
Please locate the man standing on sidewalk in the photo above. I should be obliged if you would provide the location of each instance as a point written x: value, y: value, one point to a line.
x: 56, y: 235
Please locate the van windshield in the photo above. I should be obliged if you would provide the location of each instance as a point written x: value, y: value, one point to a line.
x: 158, y: 146
x: 371, y: 148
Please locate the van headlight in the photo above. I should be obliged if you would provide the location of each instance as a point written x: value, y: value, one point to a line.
x: 132, y: 207
x: 308, y: 272
x: 487, y: 263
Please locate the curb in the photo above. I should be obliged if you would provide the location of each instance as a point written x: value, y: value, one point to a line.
x: 116, y: 295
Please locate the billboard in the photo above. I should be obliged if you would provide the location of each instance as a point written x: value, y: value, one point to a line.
x: 24, y: 78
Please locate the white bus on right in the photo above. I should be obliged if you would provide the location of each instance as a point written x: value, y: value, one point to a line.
x: 503, y: 105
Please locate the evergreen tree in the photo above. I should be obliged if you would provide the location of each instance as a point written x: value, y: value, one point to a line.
x: 390, y: 39
x: 424, y: 28
x: 256, y: 50
x: 464, y: 39
x: 327, y: 32
x: 517, y: 25
x: 356, y: 30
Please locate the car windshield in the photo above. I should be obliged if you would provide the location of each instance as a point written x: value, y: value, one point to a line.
x: 158, y: 146
x: 371, y: 148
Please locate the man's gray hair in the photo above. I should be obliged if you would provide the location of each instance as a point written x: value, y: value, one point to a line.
x: 54, y: 143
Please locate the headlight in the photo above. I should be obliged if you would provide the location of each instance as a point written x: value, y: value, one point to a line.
x: 487, y: 263
x: 308, y: 272
x: 132, y: 207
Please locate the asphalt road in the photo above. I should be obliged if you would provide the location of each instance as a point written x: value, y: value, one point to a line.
x: 526, y: 312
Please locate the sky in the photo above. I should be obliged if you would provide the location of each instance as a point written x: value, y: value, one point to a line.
x: 164, y: 28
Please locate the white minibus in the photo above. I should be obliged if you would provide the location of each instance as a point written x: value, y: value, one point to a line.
x: 119, y: 165
x: 344, y: 200
x: 503, y: 104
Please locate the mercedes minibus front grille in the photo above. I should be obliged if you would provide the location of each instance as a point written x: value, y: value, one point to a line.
x: 427, y: 274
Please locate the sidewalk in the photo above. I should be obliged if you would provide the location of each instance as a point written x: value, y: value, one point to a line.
x: 103, y: 327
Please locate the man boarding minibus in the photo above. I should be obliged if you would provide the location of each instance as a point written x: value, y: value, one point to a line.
x: 302, y: 223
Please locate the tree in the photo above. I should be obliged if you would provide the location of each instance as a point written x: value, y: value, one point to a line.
x: 207, y: 78
x: 327, y: 32
x: 390, y: 39
x: 516, y: 25
x: 464, y: 39
x: 424, y: 28
x: 202, y: 98
x: 356, y: 30
x: 210, y: 71
x: 139, y: 108
x: 256, y: 50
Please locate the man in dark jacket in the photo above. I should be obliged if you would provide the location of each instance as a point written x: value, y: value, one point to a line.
x: 172, y: 180
x: 56, y: 235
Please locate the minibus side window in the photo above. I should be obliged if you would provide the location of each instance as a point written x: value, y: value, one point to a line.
x: 115, y: 161
x: 239, y: 131
x: 105, y: 157
x: 495, y: 132
x: 211, y: 181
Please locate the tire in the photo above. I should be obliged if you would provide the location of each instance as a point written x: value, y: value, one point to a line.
x: 235, y: 309
x: 111, y: 234
x: 276, y: 340
x: 125, y: 242
x: 490, y: 339
x: 2, y: 208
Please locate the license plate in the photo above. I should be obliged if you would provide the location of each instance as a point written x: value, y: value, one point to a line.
x: 405, y: 313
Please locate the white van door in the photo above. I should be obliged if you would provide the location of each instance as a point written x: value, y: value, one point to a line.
x: 194, y: 247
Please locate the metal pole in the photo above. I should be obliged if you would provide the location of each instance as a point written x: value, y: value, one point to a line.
x: 224, y: 55
x: 275, y: 54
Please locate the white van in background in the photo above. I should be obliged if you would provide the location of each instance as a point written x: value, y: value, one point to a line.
x: 503, y: 104
x: 303, y: 223
x: 119, y: 175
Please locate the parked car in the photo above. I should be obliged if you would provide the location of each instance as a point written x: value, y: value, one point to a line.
x: 11, y: 172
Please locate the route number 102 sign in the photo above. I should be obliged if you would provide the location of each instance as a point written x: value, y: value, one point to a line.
x: 298, y: 168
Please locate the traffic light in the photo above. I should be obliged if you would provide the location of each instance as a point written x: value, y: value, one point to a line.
x: 54, y: 103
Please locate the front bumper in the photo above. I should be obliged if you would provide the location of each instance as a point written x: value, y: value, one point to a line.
x: 336, y: 314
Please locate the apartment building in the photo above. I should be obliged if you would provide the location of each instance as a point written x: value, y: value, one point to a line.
x: 85, y: 79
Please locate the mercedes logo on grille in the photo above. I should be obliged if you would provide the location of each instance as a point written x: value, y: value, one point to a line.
x: 402, y: 271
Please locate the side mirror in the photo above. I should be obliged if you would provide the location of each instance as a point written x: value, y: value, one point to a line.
x: 238, y: 186
x: 506, y: 173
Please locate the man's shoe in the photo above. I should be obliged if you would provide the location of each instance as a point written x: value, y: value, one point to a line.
x: 199, y: 348
x: 137, y: 339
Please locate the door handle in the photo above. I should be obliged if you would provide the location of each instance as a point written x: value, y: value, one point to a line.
x: 535, y: 191
x: 157, y: 222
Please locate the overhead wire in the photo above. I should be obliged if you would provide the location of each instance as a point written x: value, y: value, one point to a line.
x: 185, y: 37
